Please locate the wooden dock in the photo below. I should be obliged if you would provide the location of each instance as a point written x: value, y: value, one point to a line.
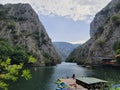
x: 83, y: 83
x: 72, y: 83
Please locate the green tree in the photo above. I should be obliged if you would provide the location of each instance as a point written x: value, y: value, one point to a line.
x: 116, y: 19
x: 101, y: 42
x: 117, y: 51
x: 11, y: 25
x: 32, y: 59
x: 118, y: 6
x: 12, y: 63
x: 19, y: 55
x: 12, y: 72
x: 116, y: 46
x: 100, y: 30
x: 5, y: 49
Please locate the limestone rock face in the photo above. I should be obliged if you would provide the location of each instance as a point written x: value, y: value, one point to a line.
x: 104, y: 32
x: 20, y: 25
x: 102, y: 16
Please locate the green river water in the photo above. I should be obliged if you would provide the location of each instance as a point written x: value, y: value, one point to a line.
x: 43, y: 78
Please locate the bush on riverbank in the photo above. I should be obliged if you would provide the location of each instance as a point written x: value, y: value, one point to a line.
x: 17, y: 54
x: 12, y: 62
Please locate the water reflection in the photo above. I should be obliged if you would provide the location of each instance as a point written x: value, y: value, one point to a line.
x: 44, y: 77
x: 40, y: 80
x: 108, y: 73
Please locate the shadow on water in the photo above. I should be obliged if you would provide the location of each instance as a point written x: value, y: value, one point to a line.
x: 108, y: 73
x: 39, y: 81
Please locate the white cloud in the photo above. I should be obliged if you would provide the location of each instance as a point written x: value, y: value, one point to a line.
x: 74, y: 9
x: 78, y: 42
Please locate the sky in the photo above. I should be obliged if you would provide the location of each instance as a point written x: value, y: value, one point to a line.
x: 65, y: 20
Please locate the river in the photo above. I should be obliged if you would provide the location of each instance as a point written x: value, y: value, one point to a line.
x: 43, y: 78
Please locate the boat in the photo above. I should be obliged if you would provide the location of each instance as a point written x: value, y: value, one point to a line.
x: 61, y: 85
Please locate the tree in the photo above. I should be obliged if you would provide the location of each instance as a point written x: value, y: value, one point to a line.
x: 12, y: 63
x: 116, y: 19
x: 12, y: 72
x: 19, y: 55
x: 116, y: 48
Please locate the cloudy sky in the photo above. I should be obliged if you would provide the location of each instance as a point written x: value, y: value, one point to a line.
x: 65, y: 20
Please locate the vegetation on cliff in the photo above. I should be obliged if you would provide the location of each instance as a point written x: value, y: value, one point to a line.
x: 12, y: 63
x: 20, y: 25
x: 105, y: 37
x: 23, y: 41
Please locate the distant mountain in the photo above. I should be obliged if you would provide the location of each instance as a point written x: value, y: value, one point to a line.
x: 64, y: 48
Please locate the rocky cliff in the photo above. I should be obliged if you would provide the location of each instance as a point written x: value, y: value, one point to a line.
x: 104, y: 32
x: 20, y: 25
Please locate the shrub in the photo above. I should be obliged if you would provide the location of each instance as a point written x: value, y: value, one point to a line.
x: 42, y: 35
x: 116, y: 19
x: 100, y: 29
x: 101, y: 42
x: 9, y: 70
x: 21, y: 18
x: 47, y: 57
x: 117, y: 51
x: 118, y: 6
x: 13, y: 32
x: 18, y: 54
x: 5, y: 49
x: 99, y: 32
x: 2, y: 13
x: 11, y: 25
x: 13, y: 17
x: 36, y: 35
x: 15, y: 36
x: 18, y: 18
x: 44, y: 41
x: 116, y: 46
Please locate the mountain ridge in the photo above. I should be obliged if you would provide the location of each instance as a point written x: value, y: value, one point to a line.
x: 64, y: 49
